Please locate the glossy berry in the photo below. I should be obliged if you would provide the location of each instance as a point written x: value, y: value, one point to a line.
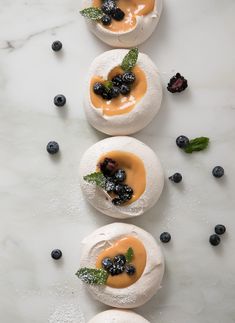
x: 125, y: 89
x: 107, y: 95
x: 60, y: 100
x: 117, y: 201
x: 120, y: 189
x: 98, y: 88
x: 182, y: 141
x: 117, y: 80
x: 130, y: 270
x: 119, y: 260
x: 53, y: 147
x: 116, y: 270
x: 214, y: 240
x: 108, y: 7
x: 120, y: 175
x: 108, y: 166
x: 107, y: 263
x: 109, y: 186
x: 177, y: 84
x: 218, y: 172
x: 125, y: 197
x: 115, y: 92
x: 128, y: 78
x: 176, y: 178
x: 220, y: 229
x: 118, y: 14
x: 106, y: 20
x: 56, y: 254
x: 56, y: 46
x: 165, y: 237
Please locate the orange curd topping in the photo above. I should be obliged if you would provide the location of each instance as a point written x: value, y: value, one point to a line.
x: 139, y: 261
x: 132, y: 9
x: 134, y: 168
x: 121, y: 104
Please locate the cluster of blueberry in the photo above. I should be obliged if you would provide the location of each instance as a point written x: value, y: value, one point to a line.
x: 111, y: 11
x: 117, y: 266
x: 114, y: 181
x: 121, y: 84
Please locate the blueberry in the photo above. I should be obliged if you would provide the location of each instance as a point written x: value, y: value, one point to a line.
x: 108, y: 166
x: 125, y: 89
x: 107, y: 263
x: 120, y: 175
x: 130, y: 270
x: 98, y: 88
x: 114, y: 270
x: 53, y: 147
x: 56, y: 254
x: 218, y: 172
x: 59, y: 100
x: 165, y: 237
x: 117, y: 201
x: 109, y: 186
x: 56, y: 46
x: 106, y: 20
x: 107, y: 95
x: 117, y: 80
x: 220, y: 229
x: 108, y: 7
x: 128, y: 77
x: 119, y: 260
x: 214, y: 240
x: 125, y: 197
x: 115, y: 92
x: 182, y: 141
x: 118, y: 14
x: 176, y: 178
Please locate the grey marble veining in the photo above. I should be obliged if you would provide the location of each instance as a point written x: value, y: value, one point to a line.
x: 41, y: 206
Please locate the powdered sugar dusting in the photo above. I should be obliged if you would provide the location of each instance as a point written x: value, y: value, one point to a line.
x: 67, y: 313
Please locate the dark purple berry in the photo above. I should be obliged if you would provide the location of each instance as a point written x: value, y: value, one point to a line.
x: 120, y: 175
x: 165, y: 237
x: 130, y: 270
x: 176, y: 178
x: 60, y: 100
x: 56, y: 46
x: 107, y: 95
x: 125, y: 89
x: 98, y: 88
x: 106, y: 20
x: 117, y: 201
x: 109, y: 186
x: 218, y: 172
x: 117, y: 80
x: 115, y: 92
x: 53, y: 147
x: 119, y: 260
x: 118, y: 14
x: 177, y: 84
x: 108, y: 7
x: 56, y: 254
x: 182, y: 141
x: 120, y: 189
x: 214, y: 240
x: 108, y: 166
x: 128, y: 78
x: 220, y: 229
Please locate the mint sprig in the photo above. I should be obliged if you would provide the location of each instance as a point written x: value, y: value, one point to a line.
x: 96, y: 178
x: 92, y: 276
x: 130, y: 60
x: 129, y: 255
x: 197, y: 144
x: 108, y: 85
x: 92, y: 13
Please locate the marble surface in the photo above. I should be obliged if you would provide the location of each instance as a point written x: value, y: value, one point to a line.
x: 41, y: 206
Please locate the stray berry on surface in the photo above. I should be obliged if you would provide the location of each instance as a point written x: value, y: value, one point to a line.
x: 218, y: 172
x: 56, y: 46
x: 107, y: 263
x: 106, y: 20
x: 117, y: 80
x: 56, y: 254
x: 98, y: 88
x: 130, y: 270
x: 118, y: 14
x: 125, y: 89
x: 182, y: 141
x: 53, y: 147
x: 176, y: 178
x: 128, y: 78
x: 165, y: 237
x: 108, y: 7
x: 220, y: 229
x: 59, y: 100
x: 177, y: 84
x: 214, y: 240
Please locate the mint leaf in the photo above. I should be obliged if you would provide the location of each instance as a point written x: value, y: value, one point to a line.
x: 92, y: 276
x: 108, y: 85
x: 92, y: 13
x: 130, y: 59
x: 129, y: 254
x: 197, y: 144
x: 96, y: 178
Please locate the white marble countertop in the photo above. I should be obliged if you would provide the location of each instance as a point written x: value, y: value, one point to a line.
x: 41, y: 206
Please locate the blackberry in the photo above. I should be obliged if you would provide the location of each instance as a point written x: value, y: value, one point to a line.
x: 106, y: 20
x: 125, y: 89
x: 109, y: 186
x: 108, y: 166
x: 107, y: 95
x: 117, y: 80
x: 115, y: 92
x: 128, y: 78
x: 116, y: 270
x: 119, y: 260
x: 118, y: 14
x: 120, y: 189
x: 108, y: 7
x: 117, y: 201
x: 177, y: 84
x: 98, y: 88
x: 120, y: 175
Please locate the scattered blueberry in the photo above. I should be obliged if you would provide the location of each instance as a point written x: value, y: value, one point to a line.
x: 165, y: 237
x: 56, y: 46
x: 182, y: 141
x: 177, y: 84
x: 106, y: 20
x: 128, y: 78
x: 220, y: 229
x: 119, y: 260
x: 59, y: 100
x: 117, y: 80
x: 108, y: 7
x: 98, y: 88
x: 120, y: 175
x: 118, y: 14
x: 108, y: 166
x: 53, y: 147
x: 176, y: 178
x: 214, y: 240
x: 218, y: 172
x: 130, y: 270
x: 125, y: 89
x: 107, y: 263
x: 56, y: 254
